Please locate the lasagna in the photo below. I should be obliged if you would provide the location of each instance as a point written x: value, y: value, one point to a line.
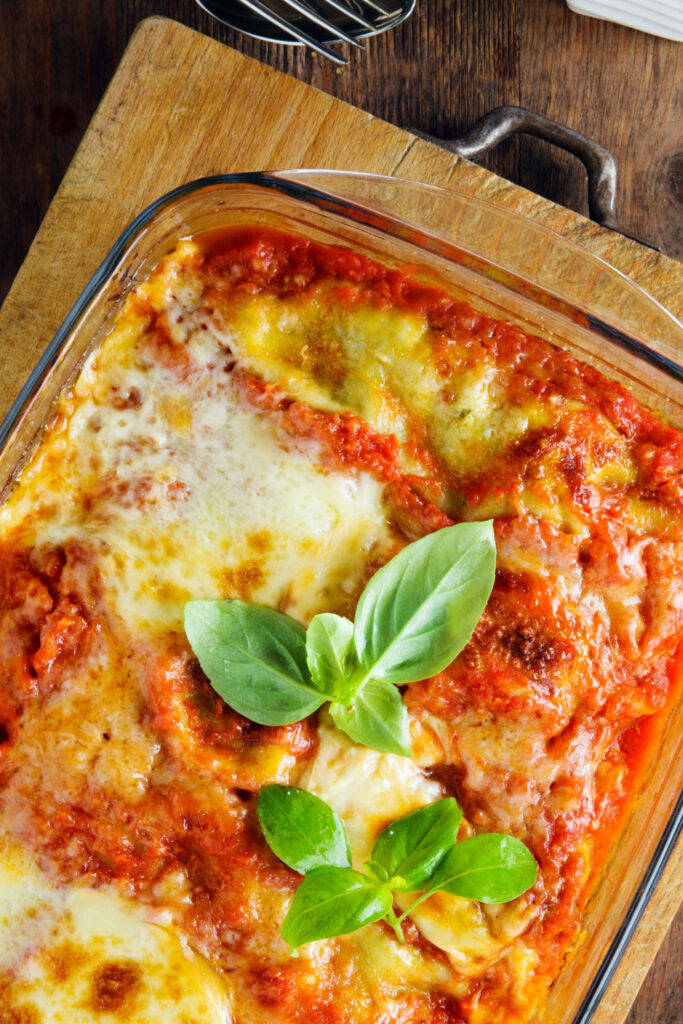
x: 272, y: 419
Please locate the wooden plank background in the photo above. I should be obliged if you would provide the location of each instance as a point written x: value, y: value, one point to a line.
x: 233, y: 115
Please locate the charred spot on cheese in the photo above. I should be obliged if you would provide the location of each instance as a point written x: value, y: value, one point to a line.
x: 62, y: 960
x: 88, y: 955
x: 114, y: 987
x: 534, y: 649
x: 271, y: 419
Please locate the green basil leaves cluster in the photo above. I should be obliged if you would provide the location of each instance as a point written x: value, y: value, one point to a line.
x: 413, y: 618
x: 416, y: 853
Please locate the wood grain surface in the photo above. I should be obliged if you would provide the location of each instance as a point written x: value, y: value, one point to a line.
x: 445, y: 71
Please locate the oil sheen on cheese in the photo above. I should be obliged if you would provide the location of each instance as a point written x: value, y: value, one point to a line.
x: 76, y: 955
x: 129, y: 790
x: 184, y: 490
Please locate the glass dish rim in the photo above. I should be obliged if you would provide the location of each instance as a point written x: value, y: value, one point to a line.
x: 286, y: 182
x: 615, y: 335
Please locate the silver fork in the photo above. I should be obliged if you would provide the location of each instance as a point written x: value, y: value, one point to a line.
x: 262, y: 8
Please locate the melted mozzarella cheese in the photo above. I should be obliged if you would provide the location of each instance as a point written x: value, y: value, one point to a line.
x: 182, y: 489
x: 89, y: 735
x: 191, y: 492
x: 380, y: 364
x: 77, y: 955
x: 457, y: 926
x: 366, y: 789
x: 393, y: 969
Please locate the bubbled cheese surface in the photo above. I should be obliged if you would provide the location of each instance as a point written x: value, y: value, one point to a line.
x: 77, y: 955
x: 160, y: 481
x: 188, y: 490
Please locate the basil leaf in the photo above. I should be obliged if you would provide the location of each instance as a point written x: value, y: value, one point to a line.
x: 330, y: 653
x: 302, y: 830
x: 333, y: 901
x: 419, y: 610
x: 412, y: 847
x: 255, y: 658
x: 490, y: 867
x: 376, y: 872
x: 376, y: 717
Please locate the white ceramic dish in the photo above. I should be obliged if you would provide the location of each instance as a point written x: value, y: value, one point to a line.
x: 657, y: 17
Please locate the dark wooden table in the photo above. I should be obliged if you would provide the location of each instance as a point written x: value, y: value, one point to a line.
x: 439, y: 72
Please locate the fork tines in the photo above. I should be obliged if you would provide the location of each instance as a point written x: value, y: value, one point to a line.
x: 307, y: 13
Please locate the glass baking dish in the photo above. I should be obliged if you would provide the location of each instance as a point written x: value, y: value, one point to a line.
x: 504, y: 265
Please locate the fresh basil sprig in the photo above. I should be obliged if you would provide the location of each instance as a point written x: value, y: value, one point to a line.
x: 333, y: 901
x: 414, y: 616
x: 412, y: 847
x: 375, y: 717
x: 416, y: 853
x: 255, y: 658
x: 302, y: 830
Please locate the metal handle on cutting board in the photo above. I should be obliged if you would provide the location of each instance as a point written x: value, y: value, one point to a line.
x: 501, y: 123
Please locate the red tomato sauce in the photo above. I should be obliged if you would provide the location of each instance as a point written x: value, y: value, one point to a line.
x: 534, y: 656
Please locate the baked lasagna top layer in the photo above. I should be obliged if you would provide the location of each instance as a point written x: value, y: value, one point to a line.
x: 272, y: 420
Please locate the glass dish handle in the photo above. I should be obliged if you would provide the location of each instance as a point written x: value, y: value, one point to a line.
x: 501, y: 123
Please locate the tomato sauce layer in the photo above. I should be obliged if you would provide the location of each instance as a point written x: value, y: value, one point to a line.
x: 121, y: 767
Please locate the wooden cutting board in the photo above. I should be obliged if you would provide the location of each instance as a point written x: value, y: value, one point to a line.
x: 182, y: 106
